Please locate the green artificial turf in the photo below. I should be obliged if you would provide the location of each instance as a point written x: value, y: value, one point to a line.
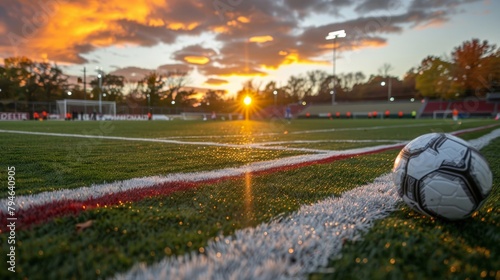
x: 399, y: 247
x: 407, y: 245
x: 148, y: 230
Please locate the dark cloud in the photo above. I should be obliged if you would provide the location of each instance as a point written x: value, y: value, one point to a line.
x: 304, y: 8
x: 377, y: 5
x: 132, y: 73
x: 232, y: 70
x: 427, y: 5
x: 174, y: 68
x: 251, y: 35
x: 216, y: 82
x: 194, y: 54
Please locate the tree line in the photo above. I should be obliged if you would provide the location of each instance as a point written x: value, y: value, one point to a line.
x: 471, y: 69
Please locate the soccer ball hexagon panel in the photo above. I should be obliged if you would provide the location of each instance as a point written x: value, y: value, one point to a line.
x: 441, y: 175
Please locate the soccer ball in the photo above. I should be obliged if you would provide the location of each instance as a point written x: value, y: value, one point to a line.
x: 441, y: 175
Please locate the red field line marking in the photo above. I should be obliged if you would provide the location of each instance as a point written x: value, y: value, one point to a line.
x: 42, y: 213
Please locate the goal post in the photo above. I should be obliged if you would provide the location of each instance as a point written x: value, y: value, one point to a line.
x: 441, y: 114
x: 86, y: 109
x: 448, y: 114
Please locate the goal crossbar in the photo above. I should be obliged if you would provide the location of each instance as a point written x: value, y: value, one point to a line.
x: 86, y: 107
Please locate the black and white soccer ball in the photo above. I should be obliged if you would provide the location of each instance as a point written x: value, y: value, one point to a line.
x: 441, y: 175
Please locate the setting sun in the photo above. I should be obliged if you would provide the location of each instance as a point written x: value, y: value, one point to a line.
x: 247, y: 100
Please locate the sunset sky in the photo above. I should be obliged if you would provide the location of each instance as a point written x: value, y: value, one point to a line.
x: 223, y: 43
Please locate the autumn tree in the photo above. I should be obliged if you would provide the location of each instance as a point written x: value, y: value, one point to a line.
x: 434, y: 79
x: 173, y: 82
x: 313, y: 82
x: 296, y: 86
x: 51, y: 81
x: 249, y: 88
x: 111, y: 85
x: 114, y: 87
x: 24, y: 79
x: 213, y: 100
x: 185, y: 98
x: 409, y: 81
x: 268, y: 93
x: 473, y: 62
x: 151, y: 87
x: 471, y: 71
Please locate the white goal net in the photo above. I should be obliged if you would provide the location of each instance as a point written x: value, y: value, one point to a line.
x: 441, y: 114
x: 447, y: 114
x: 86, y: 109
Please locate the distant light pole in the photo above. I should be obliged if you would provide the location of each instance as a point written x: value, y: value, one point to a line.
x: 84, y: 90
x: 275, y: 92
x: 334, y: 35
x: 389, y: 89
x: 99, y: 75
x: 149, y: 101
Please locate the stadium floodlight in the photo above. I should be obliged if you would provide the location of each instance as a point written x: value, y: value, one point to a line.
x: 336, y: 34
x: 333, y: 36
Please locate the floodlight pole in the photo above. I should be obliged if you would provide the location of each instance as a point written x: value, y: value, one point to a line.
x: 99, y: 75
x: 389, y: 90
x: 334, y: 35
x: 84, y: 91
x: 100, y: 94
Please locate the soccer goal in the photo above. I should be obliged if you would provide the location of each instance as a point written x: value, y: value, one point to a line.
x: 441, y: 114
x: 447, y: 114
x: 86, y: 109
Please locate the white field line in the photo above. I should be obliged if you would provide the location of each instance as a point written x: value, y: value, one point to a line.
x: 274, y: 143
x: 329, y: 141
x: 282, y: 249
x: 302, y: 131
x: 291, y: 247
x: 167, y: 141
x: 95, y: 191
x: 262, y: 146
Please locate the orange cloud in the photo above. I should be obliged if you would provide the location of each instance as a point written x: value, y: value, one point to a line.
x: 182, y: 26
x: 63, y: 30
x: 243, y: 19
x: 156, y: 22
x: 233, y: 71
x: 220, y: 29
x: 260, y: 39
x: 197, y: 59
